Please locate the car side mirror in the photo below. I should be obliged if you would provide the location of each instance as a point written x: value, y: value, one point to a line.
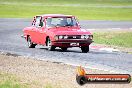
x: 79, y: 25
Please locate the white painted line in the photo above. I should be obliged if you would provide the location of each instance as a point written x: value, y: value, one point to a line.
x: 115, y: 28
x: 109, y: 49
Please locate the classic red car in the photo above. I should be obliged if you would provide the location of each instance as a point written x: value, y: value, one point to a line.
x: 57, y: 30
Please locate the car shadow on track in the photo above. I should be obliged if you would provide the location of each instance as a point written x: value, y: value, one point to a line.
x: 59, y: 50
x: 79, y: 51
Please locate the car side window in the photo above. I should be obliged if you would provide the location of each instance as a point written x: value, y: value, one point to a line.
x: 71, y: 22
x: 39, y: 22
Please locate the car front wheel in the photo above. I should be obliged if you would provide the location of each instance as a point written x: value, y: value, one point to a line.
x: 85, y: 49
x: 49, y: 45
x: 30, y: 43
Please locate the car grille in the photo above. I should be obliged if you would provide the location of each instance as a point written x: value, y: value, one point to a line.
x: 74, y: 37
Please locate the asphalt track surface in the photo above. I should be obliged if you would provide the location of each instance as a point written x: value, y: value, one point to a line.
x: 11, y: 41
x: 115, y: 25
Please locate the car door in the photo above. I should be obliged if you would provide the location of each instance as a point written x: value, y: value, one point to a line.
x: 41, y: 33
x: 32, y: 32
x: 35, y: 29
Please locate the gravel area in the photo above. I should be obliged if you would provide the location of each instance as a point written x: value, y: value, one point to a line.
x: 39, y: 73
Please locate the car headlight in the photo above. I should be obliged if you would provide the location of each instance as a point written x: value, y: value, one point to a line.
x: 82, y: 36
x: 91, y: 36
x: 66, y: 37
x: 85, y: 36
x: 60, y: 37
x: 56, y: 37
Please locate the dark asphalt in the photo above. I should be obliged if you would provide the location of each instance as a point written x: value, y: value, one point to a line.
x: 11, y: 41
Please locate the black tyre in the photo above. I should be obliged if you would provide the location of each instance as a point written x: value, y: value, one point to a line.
x: 30, y: 43
x: 64, y: 48
x: 49, y: 45
x: 81, y: 80
x: 85, y: 49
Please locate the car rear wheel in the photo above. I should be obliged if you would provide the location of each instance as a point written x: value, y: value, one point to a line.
x: 85, y: 49
x: 49, y: 45
x: 64, y: 48
x: 30, y: 43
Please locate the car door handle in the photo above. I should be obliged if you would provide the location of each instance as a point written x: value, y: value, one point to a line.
x: 41, y: 32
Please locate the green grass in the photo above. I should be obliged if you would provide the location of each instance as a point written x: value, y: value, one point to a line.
x: 83, y: 9
x: 122, y: 39
x: 10, y: 81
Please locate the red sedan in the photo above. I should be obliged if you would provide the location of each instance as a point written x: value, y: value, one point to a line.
x: 57, y: 30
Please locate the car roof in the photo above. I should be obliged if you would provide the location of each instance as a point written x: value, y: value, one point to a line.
x: 55, y: 15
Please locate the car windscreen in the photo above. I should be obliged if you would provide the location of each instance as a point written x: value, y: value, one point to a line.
x: 60, y: 21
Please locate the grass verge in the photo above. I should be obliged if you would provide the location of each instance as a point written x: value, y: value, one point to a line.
x: 122, y: 39
x: 83, y: 9
x: 10, y: 81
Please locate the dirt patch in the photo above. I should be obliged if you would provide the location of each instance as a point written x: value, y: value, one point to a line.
x: 38, y: 74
